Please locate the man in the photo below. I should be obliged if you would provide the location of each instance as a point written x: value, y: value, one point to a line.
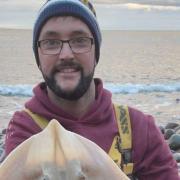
x: 66, y: 44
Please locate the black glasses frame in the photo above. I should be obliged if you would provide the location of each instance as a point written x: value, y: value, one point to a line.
x: 65, y: 41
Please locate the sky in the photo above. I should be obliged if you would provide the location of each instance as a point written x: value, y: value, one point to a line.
x: 112, y: 14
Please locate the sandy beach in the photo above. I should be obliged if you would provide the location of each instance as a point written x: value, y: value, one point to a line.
x: 126, y: 57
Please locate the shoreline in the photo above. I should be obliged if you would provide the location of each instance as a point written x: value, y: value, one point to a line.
x: 162, y: 106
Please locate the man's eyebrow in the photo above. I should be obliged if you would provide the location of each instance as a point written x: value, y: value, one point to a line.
x: 80, y: 32
x: 50, y: 33
x: 73, y: 33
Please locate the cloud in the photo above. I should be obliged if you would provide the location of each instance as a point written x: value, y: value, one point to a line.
x: 140, y: 7
x: 134, y: 6
x: 144, y: 2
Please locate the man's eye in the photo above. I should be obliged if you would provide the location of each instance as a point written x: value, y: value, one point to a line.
x: 80, y: 40
x: 52, y: 42
x: 48, y: 43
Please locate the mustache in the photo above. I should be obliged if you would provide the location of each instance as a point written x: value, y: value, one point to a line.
x: 67, y: 64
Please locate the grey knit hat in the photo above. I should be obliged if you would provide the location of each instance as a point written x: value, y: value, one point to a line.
x: 81, y: 9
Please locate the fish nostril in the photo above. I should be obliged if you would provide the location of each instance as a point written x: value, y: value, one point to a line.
x: 46, y: 177
x: 81, y: 176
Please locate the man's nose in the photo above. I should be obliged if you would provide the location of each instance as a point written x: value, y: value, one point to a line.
x: 66, y: 52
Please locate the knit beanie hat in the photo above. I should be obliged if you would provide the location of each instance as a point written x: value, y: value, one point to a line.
x: 81, y: 9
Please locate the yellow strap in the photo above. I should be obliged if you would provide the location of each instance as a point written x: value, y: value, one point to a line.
x: 124, y: 126
x: 124, y: 142
x: 40, y: 121
x: 114, y: 152
x: 128, y: 168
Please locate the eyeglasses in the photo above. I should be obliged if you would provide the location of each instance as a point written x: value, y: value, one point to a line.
x: 54, y: 46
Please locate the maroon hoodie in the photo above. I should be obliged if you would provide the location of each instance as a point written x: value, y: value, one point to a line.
x: 151, y: 155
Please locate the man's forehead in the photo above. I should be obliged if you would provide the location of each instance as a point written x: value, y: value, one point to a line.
x: 65, y: 24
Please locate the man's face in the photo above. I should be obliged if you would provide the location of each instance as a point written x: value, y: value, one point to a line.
x: 67, y: 74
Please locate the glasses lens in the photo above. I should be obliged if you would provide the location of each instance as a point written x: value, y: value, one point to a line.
x: 50, y: 46
x: 80, y: 45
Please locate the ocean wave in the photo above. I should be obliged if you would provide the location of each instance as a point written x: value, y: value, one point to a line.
x: 26, y: 90
x: 142, y: 88
x: 16, y: 90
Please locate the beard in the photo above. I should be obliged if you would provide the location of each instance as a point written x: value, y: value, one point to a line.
x: 78, y: 91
